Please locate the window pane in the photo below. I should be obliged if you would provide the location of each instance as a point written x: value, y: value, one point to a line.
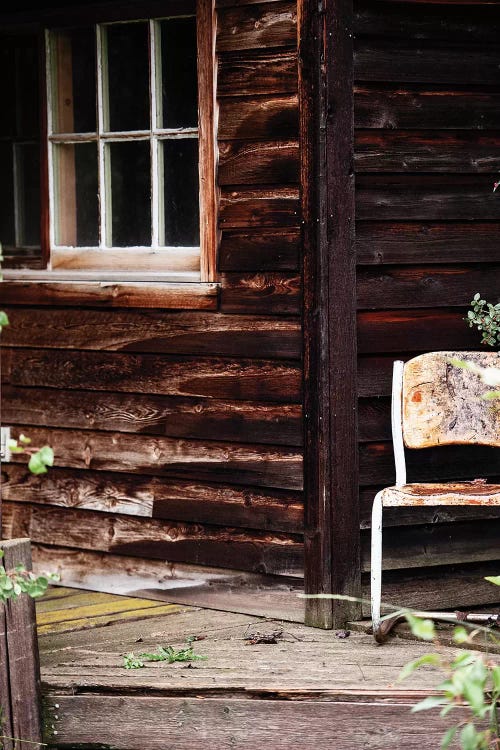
x: 128, y: 76
x: 179, y: 73
x: 7, y: 227
x: 77, y: 212
x: 27, y: 189
x: 130, y: 193
x: 27, y: 88
x: 74, y: 80
x: 180, y: 188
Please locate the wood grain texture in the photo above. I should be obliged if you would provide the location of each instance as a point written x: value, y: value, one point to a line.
x: 157, y: 497
x: 256, y: 26
x: 271, y: 207
x: 111, y: 294
x: 426, y: 151
x: 258, y: 117
x: 248, y: 380
x: 425, y: 286
x: 426, y: 242
x: 170, y: 416
x: 22, y: 647
x: 257, y: 551
x: 259, y: 250
x: 258, y: 162
x: 443, y: 404
x: 451, y: 493
x: 275, y: 293
x: 427, y: 107
x: 257, y: 72
x: 151, y: 331
x: 258, y: 465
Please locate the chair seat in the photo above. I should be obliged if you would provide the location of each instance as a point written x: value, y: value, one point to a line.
x: 477, y: 492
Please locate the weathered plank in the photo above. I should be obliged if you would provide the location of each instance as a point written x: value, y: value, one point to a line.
x: 414, y: 62
x: 259, y: 250
x: 256, y: 551
x: 443, y: 404
x: 414, y: 330
x: 258, y: 117
x: 426, y: 151
x: 257, y: 26
x: 375, y: 374
x: 170, y: 416
x: 257, y: 72
x: 426, y: 198
x: 269, y: 293
x: 257, y: 465
x: 447, y: 463
x: 111, y: 294
x: 183, y: 500
x: 425, y: 286
x: 269, y: 207
x: 427, y: 107
x: 22, y: 648
x: 258, y: 162
x: 424, y: 21
x: 6, y: 723
x: 313, y: 724
x: 156, y: 332
x: 177, y: 376
x: 426, y: 242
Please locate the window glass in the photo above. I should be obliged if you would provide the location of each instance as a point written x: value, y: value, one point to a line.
x: 179, y: 89
x: 75, y: 171
x: 130, y: 201
x: 125, y: 57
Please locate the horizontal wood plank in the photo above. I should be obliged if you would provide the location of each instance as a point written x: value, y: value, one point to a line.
x: 477, y: 23
x: 170, y: 416
x: 257, y: 26
x: 151, y: 331
x: 258, y: 73
x: 259, y: 250
x: 420, y: 63
x: 156, y: 497
x: 269, y: 293
x: 426, y: 198
x: 426, y: 286
x: 247, y: 380
x: 426, y: 151
x: 258, y: 117
x: 428, y: 107
x: 446, y: 463
x: 258, y: 163
x: 256, y: 551
x: 270, y: 207
x: 258, y: 465
x: 414, y: 330
x: 426, y: 242
x: 111, y: 294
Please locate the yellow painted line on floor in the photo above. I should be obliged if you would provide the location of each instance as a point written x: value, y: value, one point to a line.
x: 84, y: 623
x: 96, y: 610
x: 79, y: 599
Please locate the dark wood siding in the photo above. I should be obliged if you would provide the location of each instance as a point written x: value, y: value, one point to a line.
x: 427, y: 117
x: 178, y: 434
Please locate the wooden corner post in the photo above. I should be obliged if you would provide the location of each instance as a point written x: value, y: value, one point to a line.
x: 332, y: 538
x: 19, y: 663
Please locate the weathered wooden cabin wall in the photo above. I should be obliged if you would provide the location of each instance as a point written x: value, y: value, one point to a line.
x: 427, y: 138
x: 177, y: 433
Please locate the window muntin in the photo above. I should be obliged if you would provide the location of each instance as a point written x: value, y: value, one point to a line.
x: 143, y: 151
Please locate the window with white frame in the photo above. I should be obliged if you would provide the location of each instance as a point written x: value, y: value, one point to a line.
x: 123, y: 152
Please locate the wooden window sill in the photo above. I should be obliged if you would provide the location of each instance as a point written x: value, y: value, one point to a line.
x: 24, y: 287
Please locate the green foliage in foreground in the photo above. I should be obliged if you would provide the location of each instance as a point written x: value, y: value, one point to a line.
x: 168, y: 654
x: 486, y: 318
x: 19, y: 581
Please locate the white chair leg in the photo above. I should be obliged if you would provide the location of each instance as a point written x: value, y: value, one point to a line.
x: 376, y: 564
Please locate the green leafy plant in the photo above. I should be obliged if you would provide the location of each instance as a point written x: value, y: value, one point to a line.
x: 162, y: 653
x: 486, y: 318
x: 19, y: 581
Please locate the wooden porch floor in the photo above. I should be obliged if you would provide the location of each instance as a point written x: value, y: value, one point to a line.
x: 310, y: 689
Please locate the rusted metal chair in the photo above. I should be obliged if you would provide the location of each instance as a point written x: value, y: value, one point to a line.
x: 434, y: 403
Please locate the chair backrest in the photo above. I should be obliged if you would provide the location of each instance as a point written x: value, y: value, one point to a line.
x: 442, y: 404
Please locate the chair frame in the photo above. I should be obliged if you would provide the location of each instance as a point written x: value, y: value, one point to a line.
x: 382, y: 625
